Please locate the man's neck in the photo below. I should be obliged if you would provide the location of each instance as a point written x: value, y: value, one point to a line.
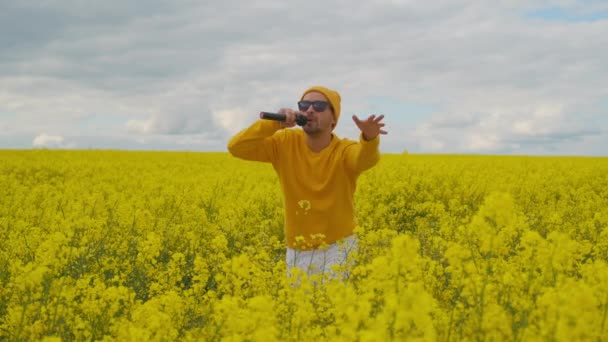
x: 317, y: 143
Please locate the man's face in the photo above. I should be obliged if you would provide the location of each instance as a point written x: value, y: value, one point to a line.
x: 318, y: 121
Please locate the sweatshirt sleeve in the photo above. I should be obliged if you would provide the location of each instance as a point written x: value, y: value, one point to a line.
x: 256, y: 142
x: 363, y: 155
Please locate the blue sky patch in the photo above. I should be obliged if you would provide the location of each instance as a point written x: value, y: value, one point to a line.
x: 104, y: 122
x: 6, y: 115
x: 401, y: 112
x: 562, y: 14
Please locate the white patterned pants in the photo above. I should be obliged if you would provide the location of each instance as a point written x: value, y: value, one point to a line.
x: 320, y: 261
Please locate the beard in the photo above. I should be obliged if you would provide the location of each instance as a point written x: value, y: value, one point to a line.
x: 312, y: 128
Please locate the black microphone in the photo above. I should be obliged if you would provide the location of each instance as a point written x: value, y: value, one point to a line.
x: 301, y: 120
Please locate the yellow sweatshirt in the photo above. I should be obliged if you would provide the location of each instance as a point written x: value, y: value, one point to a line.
x: 318, y: 188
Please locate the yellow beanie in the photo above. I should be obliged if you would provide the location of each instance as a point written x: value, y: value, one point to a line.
x: 332, y: 96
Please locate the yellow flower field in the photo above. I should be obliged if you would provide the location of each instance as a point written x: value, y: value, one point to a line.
x: 155, y: 246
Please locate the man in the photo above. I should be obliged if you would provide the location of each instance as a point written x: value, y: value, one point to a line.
x: 318, y: 173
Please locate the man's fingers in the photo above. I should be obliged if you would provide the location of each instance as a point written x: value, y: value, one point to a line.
x: 371, y: 118
x: 370, y: 122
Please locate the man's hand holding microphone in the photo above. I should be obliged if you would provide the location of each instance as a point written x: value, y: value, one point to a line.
x: 287, y: 117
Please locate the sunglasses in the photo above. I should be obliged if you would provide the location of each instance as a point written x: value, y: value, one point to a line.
x: 318, y: 106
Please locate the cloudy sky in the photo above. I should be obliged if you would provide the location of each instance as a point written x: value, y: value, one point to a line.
x: 500, y: 77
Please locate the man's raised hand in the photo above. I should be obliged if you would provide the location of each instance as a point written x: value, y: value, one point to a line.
x: 370, y: 127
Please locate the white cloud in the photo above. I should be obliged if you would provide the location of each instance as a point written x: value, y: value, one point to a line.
x: 193, y: 72
x: 141, y: 126
x: 51, y: 141
x: 230, y: 119
x: 523, y: 127
x: 482, y: 142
